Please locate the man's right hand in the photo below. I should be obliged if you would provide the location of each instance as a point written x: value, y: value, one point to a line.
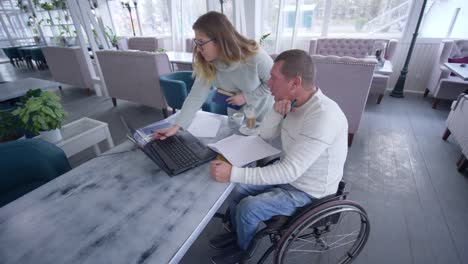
x: 165, y: 132
x: 283, y: 107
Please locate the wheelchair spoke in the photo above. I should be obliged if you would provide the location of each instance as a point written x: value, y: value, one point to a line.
x: 335, y: 236
x: 344, y: 235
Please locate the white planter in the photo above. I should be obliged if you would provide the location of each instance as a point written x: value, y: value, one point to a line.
x: 53, y: 136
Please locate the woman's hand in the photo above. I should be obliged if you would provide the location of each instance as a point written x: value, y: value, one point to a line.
x: 165, y: 132
x: 238, y: 99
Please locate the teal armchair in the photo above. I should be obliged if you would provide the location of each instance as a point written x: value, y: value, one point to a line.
x: 177, y: 85
x: 27, y: 164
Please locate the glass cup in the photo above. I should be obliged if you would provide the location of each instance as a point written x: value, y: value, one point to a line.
x: 250, y: 116
x: 236, y: 119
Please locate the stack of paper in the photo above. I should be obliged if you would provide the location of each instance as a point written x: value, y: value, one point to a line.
x: 204, y: 125
x: 241, y: 150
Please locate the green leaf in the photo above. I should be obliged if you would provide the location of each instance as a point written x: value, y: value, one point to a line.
x: 49, y: 112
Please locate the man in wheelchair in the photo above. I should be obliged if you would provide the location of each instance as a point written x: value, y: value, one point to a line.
x: 314, y: 135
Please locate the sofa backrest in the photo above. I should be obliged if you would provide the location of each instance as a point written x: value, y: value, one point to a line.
x: 352, y: 47
x: 347, y: 81
x: 134, y: 75
x: 150, y: 44
x: 459, y: 49
x: 68, y: 65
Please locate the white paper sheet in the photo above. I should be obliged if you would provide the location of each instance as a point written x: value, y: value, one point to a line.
x: 241, y: 150
x: 204, y: 125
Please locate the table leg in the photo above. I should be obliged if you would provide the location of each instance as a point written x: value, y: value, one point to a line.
x: 97, y: 150
x: 110, y: 143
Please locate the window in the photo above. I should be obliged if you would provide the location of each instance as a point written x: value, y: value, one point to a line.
x: 368, y: 17
x: 353, y: 18
x: 154, y: 16
x: 13, y: 24
x: 445, y: 19
x: 269, y: 23
x: 192, y: 10
x: 228, y: 9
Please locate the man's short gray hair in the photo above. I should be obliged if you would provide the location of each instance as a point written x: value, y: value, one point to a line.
x: 298, y: 63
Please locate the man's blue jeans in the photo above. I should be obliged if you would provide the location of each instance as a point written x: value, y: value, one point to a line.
x: 253, y: 204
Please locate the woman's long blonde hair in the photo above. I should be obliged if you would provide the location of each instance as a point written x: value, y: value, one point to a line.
x: 232, y: 46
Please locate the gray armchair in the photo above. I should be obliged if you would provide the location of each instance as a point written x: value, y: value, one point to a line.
x: 150, y: 44
x: 68, y: 65
x: 347, y: 81
x: 358, y: 48
x: 457, y: 125
x: 134, y: 76
x: 441, y: 84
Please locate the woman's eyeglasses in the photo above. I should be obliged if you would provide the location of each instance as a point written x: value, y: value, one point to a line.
x: 200, y: 44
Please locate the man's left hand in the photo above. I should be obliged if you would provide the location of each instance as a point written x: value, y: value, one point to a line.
x: 220, y: 170
x: 238, y: 99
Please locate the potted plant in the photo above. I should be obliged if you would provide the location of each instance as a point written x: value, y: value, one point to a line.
x: 9, y: 126
x: 113, y: 38
x: 263, y: 37
x: 42, y: 113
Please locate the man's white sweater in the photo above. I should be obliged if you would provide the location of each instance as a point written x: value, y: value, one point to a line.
x: 315, y: 144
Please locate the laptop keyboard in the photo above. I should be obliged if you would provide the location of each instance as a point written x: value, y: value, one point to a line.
x: 180, y: 154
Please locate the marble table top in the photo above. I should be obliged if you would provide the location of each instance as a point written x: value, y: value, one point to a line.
x: 117, y: 208
x: 456, y: 68
x: 386, y: 69
x: 19, y: 88
x: 180, y: 57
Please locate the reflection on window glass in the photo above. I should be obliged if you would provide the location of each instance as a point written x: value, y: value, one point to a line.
x: 153, y: 14
x: 438, y: 18
x: 228, y: 9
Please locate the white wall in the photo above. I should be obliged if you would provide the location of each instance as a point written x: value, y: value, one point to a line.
x: 438, y: 19
x: 424, y: 57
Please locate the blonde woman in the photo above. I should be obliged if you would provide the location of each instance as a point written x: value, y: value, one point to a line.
x: 226, y: 59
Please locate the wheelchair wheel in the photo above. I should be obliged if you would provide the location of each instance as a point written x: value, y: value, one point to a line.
x: 334, y: 232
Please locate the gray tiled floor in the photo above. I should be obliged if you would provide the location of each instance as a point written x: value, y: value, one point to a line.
x: 398, y: 168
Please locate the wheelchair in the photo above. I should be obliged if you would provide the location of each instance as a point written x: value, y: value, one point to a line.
x: 328, y: 230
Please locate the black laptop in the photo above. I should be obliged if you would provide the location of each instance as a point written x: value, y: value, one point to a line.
x: 175, y: 154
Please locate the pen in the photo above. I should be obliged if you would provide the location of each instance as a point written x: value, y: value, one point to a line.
x: 293, y: 104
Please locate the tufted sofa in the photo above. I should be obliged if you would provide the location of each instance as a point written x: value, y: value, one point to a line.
x: 441, y: 84
x: 351, y: 47
x: 358, y: 48
x: 351, y: 89
x: 457, y: 125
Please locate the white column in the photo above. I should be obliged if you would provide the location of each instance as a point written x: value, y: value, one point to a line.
x: 78, y: 21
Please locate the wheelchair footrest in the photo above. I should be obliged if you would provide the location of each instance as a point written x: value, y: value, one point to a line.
x: 224, y: 241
